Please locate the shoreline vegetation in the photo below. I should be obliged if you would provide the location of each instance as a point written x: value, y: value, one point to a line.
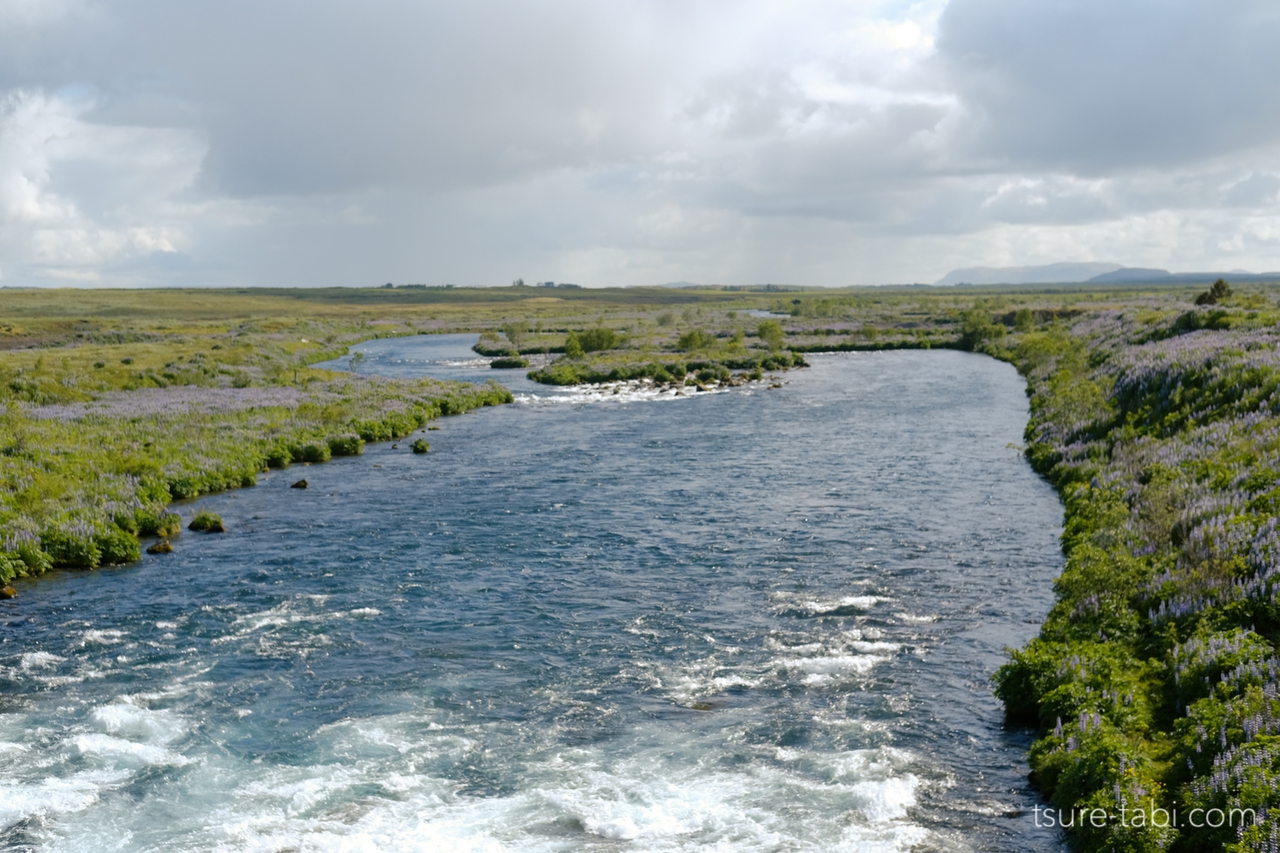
x: 1153, y: 687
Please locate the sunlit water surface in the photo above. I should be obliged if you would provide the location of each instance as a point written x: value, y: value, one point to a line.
x: 758, y: 620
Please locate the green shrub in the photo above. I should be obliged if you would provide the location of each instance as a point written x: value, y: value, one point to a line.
x: 770, y: 331
x: 573, y: 347
x: 183, y: 487
x: 23, y: 561
x: 508, y: 363
x: 311, y: 452
x: 515, y: 332
x: 278, y: 456
x: 597, y: 339
x: 71, y: 550
x: 207, y: 522
x: 346, y: 445
x: 34, y: 559
x: 420, y: 446
x: 10, y: 566
x: 977, y: 329
x: 696, y: 339
x: 117, y: 547
x: 1220, y: 291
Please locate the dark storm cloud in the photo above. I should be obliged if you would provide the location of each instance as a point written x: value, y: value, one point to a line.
x: 1100, y: 86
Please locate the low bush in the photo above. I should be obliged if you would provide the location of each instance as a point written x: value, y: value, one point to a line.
x: 349, y: 444
x: 597, y: 339
x: 695, y: 339
x: 312, y: 451
x: 278, y: 456
x: 71, y: 550
x: 117, y: 547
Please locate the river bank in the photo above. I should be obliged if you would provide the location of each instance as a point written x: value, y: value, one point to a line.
x: 1153, y: 684
x: 83, y: 481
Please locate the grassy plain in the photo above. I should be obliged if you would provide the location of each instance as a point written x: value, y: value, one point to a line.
x: 1155, y: 680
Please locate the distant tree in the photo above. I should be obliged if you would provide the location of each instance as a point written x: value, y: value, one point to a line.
x: 573, y: 347
x: 1024, y: 320
x: 976, y: 328
x: 599, y: 338
x: 1220, y: 291
x: 518, y: 283
x: 666, y: 318
x: 515, y: 331
x: 696, y: 339
x: 770, y: 331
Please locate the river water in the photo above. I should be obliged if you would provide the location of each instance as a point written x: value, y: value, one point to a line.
x: 757, y: 620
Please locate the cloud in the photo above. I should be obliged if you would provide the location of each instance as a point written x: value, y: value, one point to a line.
x: 1098, y: 87
x: 816, y: 141
x: 76, y: 197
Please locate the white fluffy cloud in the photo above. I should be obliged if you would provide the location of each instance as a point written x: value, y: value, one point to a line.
x: 78, y: 199
x: 814, y: 141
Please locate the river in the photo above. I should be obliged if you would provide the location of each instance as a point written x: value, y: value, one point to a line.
x: 757, y: 620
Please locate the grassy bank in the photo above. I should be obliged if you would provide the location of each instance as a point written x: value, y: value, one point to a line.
x: 1154, y: 685
x: 82, y: 481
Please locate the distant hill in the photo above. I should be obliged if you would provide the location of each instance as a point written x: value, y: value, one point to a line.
x: 1143, y: 275
x: 1134, y: 274
x: 1093, y: 273
x: 1046, y: 274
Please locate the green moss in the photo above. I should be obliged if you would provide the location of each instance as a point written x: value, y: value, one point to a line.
x: 207, y: 522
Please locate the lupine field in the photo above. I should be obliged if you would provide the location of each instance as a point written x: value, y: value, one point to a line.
x: 1154, y: 683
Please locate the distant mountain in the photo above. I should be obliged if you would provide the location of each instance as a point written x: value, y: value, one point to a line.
x: 1134, y: 274
x: 1142, y: 275
x: 1093, y: 273
x: 1046, y: 274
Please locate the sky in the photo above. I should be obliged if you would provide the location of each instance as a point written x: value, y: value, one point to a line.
x: 612, y: 143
